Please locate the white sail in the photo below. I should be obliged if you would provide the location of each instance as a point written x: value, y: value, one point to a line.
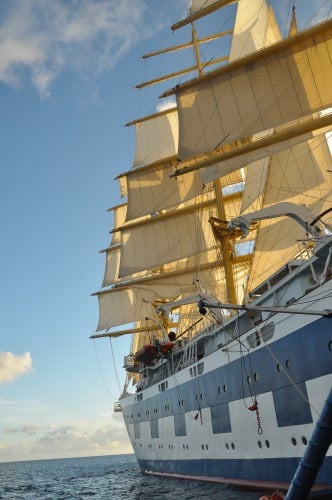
x: 121, y: 307
x: 164, y: 246
x: 113, y: 252
x: 151, y: 189
x: 197, y: 5
x: 262, y: 91
x: 302, y: 176
x: 112, y: 265
x: 119, y: 217
x: 255, y: 27
x: 165, y: 240
x: 156, y: 137
x: 263, y: 145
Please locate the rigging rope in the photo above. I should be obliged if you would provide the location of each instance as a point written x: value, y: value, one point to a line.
x: 115, y: 370
x: 102, y: 374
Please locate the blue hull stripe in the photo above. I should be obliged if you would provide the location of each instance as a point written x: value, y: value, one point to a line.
x: 268, y: 469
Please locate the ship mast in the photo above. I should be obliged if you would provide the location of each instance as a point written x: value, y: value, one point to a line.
x: 224, y: 238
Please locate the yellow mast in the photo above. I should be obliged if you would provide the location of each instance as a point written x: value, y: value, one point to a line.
x: 225, y: 240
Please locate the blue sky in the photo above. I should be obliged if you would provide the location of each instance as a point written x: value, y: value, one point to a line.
x: 67, y: 72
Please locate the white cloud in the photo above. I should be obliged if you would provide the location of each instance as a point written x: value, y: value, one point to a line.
x: 32, y: 441
x: 41, y: 39
x: 23, y: 429
x: 74, y: 441
x: 324, y: 12
x: 32, y: 431
x: 167, y: 103
x: 12, y: 366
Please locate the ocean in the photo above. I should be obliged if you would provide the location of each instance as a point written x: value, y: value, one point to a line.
x: 108, y: 477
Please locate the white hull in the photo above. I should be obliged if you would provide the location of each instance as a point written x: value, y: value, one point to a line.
x: 200, y: 426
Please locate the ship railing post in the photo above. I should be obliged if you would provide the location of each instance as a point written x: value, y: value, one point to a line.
x: 313, y: 458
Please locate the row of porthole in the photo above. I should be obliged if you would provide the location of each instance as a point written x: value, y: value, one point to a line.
x: 293, y: 441
x: 255, y: 376
x: 279, y: 368
x: 170, y: 446
x: 229, y: 446
x: 220, y: 389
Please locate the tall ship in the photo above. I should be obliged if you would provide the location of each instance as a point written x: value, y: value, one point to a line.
x: 220, y: 262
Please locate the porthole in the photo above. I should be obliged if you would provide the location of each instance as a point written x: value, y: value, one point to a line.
x: 256, y: 377
x: 267, y: 443
x: 259, y: 444
x: 249, y: 379
x: 288, y: 364
x: 227, y: 446
x: 233, y: 446
x: 294, y: 442
x: 304, y: 440
x: 219, y: 390
x: 225, y: 388
x: 330, y: 345
x: 206, y: 447
x: 279, y: 368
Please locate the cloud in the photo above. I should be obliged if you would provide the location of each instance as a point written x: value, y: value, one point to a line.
x: 39, y: 40
x: 70, y: 440
x: 12, y: 366
x: 167, y: 103
x: 28, y: 429
x: 323, y: 13
x: 30, y: 436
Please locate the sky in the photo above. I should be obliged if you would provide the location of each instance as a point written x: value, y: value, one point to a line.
x: 67, y: 72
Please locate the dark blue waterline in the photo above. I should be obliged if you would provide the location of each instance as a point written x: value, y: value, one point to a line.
x: 267, y: 469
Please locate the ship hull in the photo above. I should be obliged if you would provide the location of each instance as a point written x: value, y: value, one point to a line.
x: 197, y: 422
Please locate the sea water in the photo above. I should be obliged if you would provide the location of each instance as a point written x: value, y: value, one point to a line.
x: 108, y: 477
